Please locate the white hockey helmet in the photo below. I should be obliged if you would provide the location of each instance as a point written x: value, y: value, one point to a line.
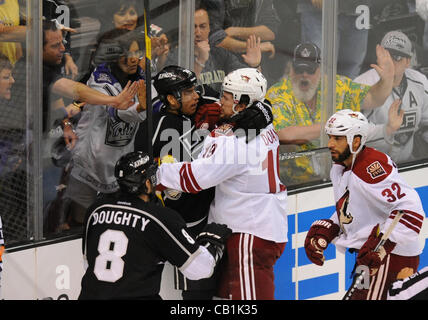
x: 246, y: 85
x: 348, y: 123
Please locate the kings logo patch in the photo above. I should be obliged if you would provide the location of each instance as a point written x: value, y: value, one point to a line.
x: 375, y: 170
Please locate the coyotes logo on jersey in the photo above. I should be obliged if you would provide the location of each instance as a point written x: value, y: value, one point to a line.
x: 375, y: 170
x: 343, y: 215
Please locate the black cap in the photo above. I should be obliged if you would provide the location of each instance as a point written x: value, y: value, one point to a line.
x: 307, y: 56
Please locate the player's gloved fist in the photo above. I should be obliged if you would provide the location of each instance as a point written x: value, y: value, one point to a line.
x: 171, y: 194
x: 368, y: 257
x: 207, y: 116
x: 214, y: 237
x: 321, y: 233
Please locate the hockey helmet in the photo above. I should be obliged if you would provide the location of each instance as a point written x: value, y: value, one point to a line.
x: 133, y: 169
x: 246, y: 85
x: 173, y: 80
x: 348, y: 123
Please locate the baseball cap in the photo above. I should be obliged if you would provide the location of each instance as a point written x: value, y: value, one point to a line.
x: 307, y: 57
x: 396, y: 42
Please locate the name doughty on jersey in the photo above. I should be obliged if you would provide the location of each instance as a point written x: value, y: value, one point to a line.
x: 119, y: 217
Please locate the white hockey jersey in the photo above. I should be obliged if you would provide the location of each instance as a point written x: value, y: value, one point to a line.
x: 249, y: 197
x: 104, y: 135
x: 371, y: 193
x: 413, y: 93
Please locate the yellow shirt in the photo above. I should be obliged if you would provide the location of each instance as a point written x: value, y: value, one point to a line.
x: 9, y: 16
x: 289, y: 111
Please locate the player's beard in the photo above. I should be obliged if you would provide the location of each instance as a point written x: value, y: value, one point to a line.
x: 343, y: 156
x: 304, y: 96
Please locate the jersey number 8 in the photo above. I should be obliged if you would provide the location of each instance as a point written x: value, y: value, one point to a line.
x: 109, y: 265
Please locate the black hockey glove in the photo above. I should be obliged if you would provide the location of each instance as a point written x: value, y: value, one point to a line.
x: 253, y: 119
x: 214, y: 237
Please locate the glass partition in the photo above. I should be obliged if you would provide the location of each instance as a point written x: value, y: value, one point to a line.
x: 60, y: 76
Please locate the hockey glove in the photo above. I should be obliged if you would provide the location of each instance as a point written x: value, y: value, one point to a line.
x: 207, y: 116
x: 214, y: 237
x: 253, y: 119
x: 368, y: 257
x: 321, y: 233
x: 171, y: 194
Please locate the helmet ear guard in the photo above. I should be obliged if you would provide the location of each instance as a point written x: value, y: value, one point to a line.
x: 348, y: 123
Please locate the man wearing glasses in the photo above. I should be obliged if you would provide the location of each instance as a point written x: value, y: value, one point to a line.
x: 296, y: 102
x: 411, y: 88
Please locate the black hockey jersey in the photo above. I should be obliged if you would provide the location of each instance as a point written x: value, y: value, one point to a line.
x: 125, y: 243
x: 176, y: 135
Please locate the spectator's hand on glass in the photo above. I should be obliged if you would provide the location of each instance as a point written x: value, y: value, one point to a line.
x: 160, y: 45
x: 317, y: 4
x: 126, y: 98
x: 253, y: 55
x: 268, y: 47
x: 70, y: 67
x: 395, y: 117
x: 385, y: 65
x: 141, y: 94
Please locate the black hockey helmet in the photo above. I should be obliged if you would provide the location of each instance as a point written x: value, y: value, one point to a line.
x: 172, y: 80
x: 133, y: 169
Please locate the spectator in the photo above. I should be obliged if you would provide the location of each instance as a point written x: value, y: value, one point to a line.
x: 141, y: 247
x: 55, y: 87
x: 232, y: 22
x: 212, y: 63
x: 296, y: 102
x: 51, y: 11
x: 351, y: 39
x: 1, y: 250
x: 13, y: 154
x: 365, y: 182
x: 12, y: 30
x: 410, y: 86
x: 104, y: 133
x: 176, y: 135
x: 128, y: 14
x: 239, y: 181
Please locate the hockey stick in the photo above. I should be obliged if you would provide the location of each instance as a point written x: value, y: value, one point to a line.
x: 360, y: 277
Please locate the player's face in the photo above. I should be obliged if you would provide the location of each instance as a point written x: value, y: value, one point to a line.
x: 189, y: 101
x: 6, y: 82
x: 53, y: 50
x: 202, y: 25
x: 226, y: 103
x: 125, y: 18
x: 339, y: 148
x: 129, y: 63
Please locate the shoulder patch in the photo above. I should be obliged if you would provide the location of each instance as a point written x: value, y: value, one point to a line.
x: 372, y: 166
x: 375, y: 170
x: 223, y: 130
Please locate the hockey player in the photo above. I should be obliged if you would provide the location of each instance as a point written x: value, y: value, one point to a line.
x: 175, y: 134
x: 240, y: 159
x: 127, y: 238
x: 414, y: 287
x: 411, y: 87
x: 368, y: 192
